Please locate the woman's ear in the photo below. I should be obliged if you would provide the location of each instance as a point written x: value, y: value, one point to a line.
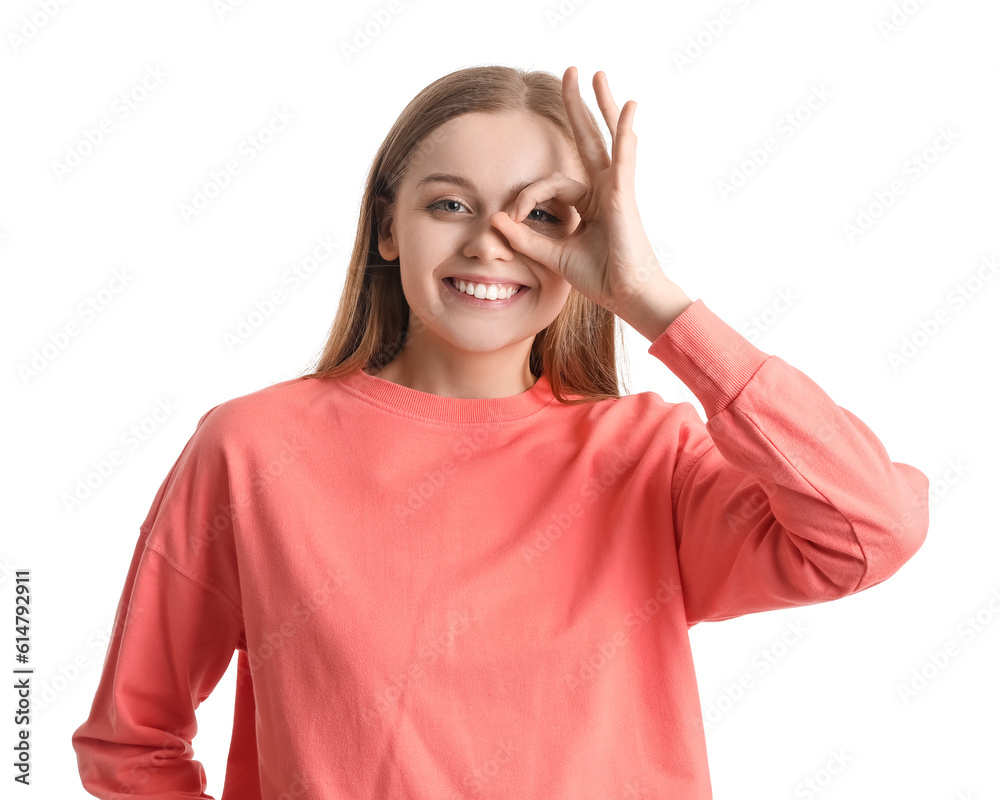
x: 386, y: 242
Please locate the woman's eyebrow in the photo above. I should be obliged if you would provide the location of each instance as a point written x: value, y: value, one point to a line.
x: 465, y: 183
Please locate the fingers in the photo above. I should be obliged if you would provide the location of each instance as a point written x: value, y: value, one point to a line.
x: 588, y: 138
x: 623, y: 138
x: 535, y: 246
x: 589, y: 142
x: 556, y: 186
x: 606, y: 103
x: 623, y: 148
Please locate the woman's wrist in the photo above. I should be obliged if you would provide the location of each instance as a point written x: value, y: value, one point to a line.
x: 653, y: 312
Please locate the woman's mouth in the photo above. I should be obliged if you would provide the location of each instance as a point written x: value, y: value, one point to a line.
x: 480, y: 295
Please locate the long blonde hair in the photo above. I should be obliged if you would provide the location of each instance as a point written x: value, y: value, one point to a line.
x: 576, y: 351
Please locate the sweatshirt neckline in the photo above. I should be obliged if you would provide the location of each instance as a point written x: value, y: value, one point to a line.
x: 404, y: 401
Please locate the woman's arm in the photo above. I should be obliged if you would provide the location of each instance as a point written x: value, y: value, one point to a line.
x: 177, y: 626
x: 173, y: 641
x: 784, y: 498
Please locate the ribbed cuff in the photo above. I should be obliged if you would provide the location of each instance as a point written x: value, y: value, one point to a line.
x: 714, y: 360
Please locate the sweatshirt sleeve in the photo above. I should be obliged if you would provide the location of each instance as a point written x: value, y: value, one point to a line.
x: 177, y: 625
x: 782, y: 498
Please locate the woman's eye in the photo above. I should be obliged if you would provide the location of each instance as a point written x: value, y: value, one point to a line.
x: 439, y: 203
x: 547, y: 217
x: 552, y: 219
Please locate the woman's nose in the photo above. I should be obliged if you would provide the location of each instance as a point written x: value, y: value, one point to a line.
x: 487, y: 242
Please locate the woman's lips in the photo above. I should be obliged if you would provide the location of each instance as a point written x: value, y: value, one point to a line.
x: 476, y: 302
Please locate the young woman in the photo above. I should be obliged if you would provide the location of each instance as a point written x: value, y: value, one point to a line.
x: 453, y: 560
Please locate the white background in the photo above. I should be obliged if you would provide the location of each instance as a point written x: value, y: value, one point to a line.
x: 854, y: 301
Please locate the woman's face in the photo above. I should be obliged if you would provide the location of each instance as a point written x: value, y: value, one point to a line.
x: 439, y: 228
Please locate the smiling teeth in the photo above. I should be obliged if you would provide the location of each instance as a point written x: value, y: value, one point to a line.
x: 484, y: 292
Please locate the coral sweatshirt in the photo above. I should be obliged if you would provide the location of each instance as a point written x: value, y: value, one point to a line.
x: 436, y: 598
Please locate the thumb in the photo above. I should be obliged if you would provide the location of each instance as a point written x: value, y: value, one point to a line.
x: 535, y: 246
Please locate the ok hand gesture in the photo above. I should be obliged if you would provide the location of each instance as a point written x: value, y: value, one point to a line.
x: 608, y: 257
